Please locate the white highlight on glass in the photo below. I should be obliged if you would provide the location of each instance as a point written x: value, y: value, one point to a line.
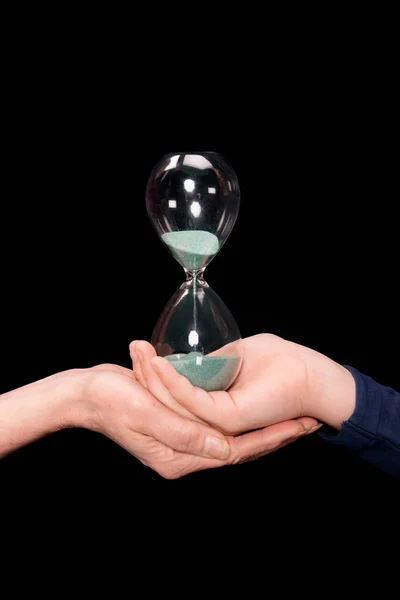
x: 173, y: 161
x: 212, y: 190
x: 172, y: 203
x: 189, y: 185
x: 195, y: 209
x: 193, y: 338
x: 199, y: 162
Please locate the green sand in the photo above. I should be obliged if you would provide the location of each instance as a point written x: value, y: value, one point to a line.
x: 191, y: 248
x: 211, y: 373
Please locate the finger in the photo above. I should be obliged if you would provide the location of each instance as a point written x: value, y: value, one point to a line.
x: 145, y: 348
x: 132, y: 352
x: 259, y: 443
x: 195, y: 400
x: 168, y: 463
x: 244, y: 448
x: 183, y: 435
x: 309, y: 423
x: 184, y: 464
x: 310, y: 426
x: 137, y: 368
x: 155, y: 385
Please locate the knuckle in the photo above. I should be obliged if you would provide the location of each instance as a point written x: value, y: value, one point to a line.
x: 234, y: 458
x: 230, y: 429
x: 104, y: 366
x: 166, y: 472
x: 172, y: 476
x: 272, y: 338
x: 190, y: 438
x: 233, y: 425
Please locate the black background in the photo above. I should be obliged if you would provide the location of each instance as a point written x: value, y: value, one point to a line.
x: 313, y: 257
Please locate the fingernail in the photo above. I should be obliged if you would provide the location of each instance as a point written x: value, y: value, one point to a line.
x: 216, y: 447
x: 302, y: 433
x: 133, y: 355
x: 139, y: 354
x: 315, y: 428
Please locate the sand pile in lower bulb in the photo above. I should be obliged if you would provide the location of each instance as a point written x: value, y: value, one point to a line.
x: 211, y: 373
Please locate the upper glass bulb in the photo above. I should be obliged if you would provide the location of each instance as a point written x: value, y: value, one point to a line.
x: 193, y: 201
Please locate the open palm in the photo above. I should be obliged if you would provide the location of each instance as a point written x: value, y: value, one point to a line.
x: 269, y: 389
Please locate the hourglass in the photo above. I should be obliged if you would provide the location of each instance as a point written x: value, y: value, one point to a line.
x: 193, y: 200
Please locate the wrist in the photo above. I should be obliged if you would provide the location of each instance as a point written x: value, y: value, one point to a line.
x: 67, y: 407
x: 333, y: 391
x: 37, y: 409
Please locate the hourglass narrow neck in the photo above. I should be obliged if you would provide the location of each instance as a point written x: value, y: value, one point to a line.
x: 198, y: 274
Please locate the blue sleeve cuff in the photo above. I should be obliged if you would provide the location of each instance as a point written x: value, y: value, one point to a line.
x: 373, y: 430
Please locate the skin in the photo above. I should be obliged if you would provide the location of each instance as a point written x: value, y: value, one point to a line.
x: 108, y: 399
x: 279, y: 381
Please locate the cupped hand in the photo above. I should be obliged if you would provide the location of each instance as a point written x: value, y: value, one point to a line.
x: 162, y: 436
x: 270, y: 389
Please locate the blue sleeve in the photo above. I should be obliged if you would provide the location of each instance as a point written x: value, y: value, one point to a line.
x: 373, y: 430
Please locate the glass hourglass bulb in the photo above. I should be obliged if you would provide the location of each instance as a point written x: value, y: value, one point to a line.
x: 193, y: 200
